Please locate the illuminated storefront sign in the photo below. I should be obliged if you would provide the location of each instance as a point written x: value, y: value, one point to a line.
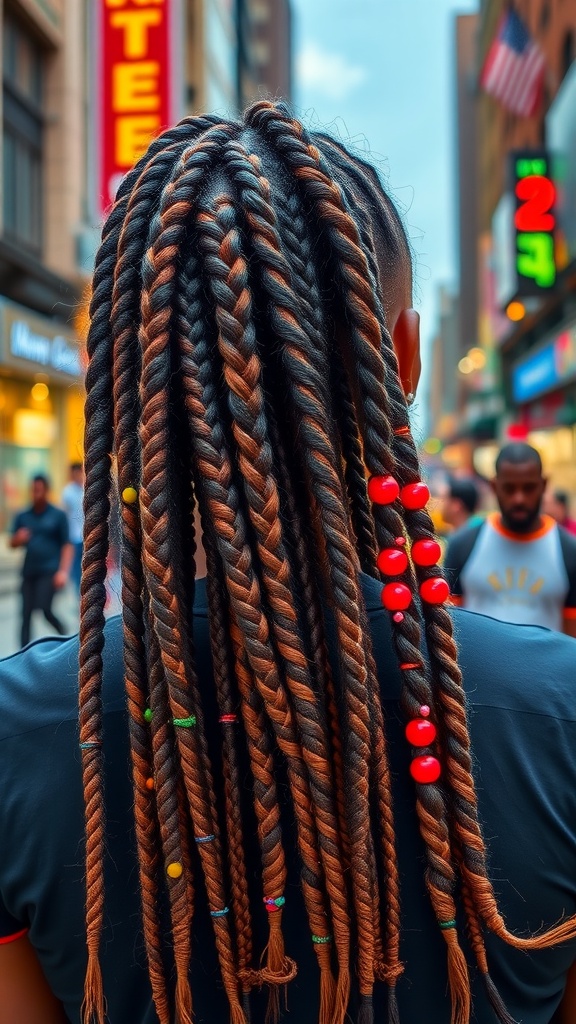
x: 136, y: 84
x: 524, y: 230
x: 534, y: 223
x: 30, y: 343
x: 551, y: 366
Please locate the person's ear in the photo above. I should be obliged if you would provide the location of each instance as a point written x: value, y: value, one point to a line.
x: 406, y: 341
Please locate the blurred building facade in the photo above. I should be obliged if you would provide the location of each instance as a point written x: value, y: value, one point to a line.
x: 80, y: 78
x: 43, y: 207
x: 516, y: 366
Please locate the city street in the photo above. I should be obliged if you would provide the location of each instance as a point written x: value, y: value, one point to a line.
x: 65, y: 605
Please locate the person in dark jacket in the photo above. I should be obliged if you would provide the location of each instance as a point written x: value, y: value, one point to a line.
x: 271, y: 763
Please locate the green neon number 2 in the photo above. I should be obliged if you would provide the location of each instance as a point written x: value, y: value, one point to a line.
x: 535, y: 257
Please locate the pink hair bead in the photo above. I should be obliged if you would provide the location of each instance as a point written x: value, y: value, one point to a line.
x: 424, y: 711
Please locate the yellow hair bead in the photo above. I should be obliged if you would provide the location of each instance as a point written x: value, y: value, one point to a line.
x: 129, y: 495
x: 174, y: 870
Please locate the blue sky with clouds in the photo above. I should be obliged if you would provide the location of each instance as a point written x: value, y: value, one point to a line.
x: 381, y: 74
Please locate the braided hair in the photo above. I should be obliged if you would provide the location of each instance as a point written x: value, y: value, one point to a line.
x: 242, y: 376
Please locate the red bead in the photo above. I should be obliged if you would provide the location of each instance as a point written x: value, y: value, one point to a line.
x: 420, y: 732
x: 396, y: 597
x: 426, y: 552
x: 398, y: 617
x: 392, y: 562
x: 424, y: 711
x: 434, y: 590
x: 383, y: 490
x: 425, y: 768
x: 400, y: 541
x: 415, y: 496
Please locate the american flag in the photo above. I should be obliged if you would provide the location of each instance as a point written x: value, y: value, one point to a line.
x: 514, y: 68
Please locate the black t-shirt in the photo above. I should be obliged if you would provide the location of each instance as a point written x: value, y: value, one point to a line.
x: 49, y: 530
x: 520, y: 682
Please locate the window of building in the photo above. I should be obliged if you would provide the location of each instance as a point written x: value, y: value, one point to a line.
x: 23, y: 63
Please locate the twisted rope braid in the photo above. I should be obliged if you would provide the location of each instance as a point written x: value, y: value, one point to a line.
x: 192, y: 343
x: 167, y: 610
x: 223, y: 506
x: 366, y: 339
x: 198, y: 383
x: 98, y: 444
x: 284, y: 316
x: 241, y: 367
x: 219, y: 239
x: 124, y: 327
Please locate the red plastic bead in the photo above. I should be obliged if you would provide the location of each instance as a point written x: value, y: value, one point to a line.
x: 426, y: 552
x: 400, y: 541
x: 425, y: 768
x: 396, y: 597
x: 420, y: 732
x: 434, y: 590
x: 415, y: 496
x: 398, y: 617
x: 383, y: 490
x: 392, y: 562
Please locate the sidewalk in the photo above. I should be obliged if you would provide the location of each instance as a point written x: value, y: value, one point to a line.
x: 65, y: 605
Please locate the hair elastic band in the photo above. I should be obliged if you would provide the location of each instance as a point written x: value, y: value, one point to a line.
x: 205, y: 839
x: 321, y: 940
x: 90, y: 744
x: 402, y: 430
x: 273, y: 904
x: 445, y: 925
x: 410, y: 664
x: 185, y: 723
x: 228, y: 719
x: 220, y: 913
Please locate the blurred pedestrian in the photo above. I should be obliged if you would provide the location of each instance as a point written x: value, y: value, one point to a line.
x: 518, y: 565
x: 72, y: 500
x: 460, y: 500
x: 291, y: 841
x: 557, y: 505
x: 42, y: 529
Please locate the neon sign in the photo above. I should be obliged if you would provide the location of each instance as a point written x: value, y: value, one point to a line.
x: 136, y: 84
x: 534, y: 223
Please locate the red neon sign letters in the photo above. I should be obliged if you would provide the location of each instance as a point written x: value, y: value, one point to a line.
x: 135, y: 87
x: 534, y: 223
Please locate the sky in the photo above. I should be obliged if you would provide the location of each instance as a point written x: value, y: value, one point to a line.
x: 380, y: 73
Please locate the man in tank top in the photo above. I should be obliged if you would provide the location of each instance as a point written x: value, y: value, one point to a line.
x: 519, y: 565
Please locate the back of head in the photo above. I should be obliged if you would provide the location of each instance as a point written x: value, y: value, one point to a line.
x: 518, y: 453
x: 465, y: 491
x: 241, y: 366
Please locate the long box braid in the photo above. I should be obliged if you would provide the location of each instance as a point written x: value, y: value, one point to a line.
x: 240, y: 366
